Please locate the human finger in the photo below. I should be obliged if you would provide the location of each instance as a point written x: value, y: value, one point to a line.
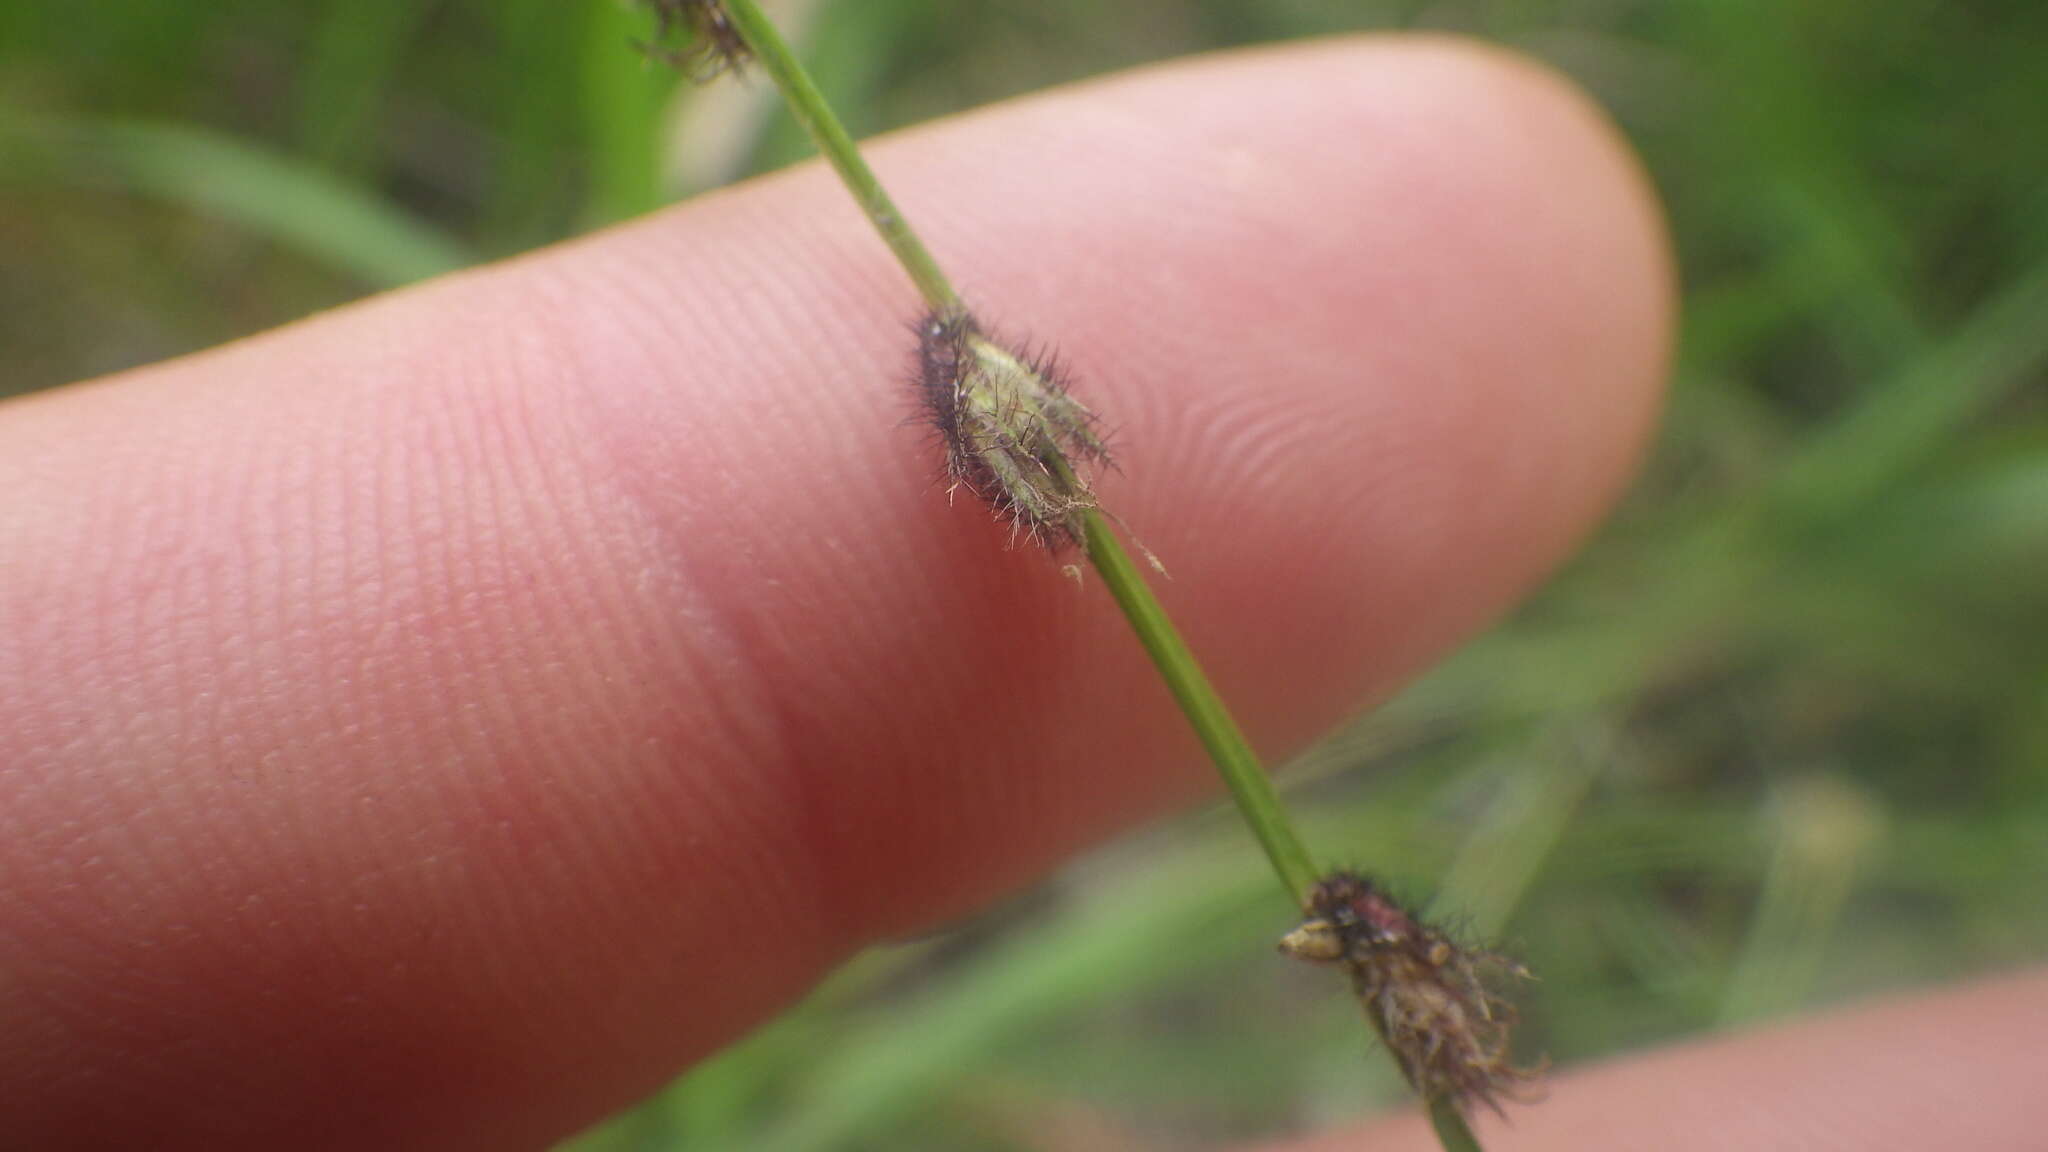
x: 484, y: 700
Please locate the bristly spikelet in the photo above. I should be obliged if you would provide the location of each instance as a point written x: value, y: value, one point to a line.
x: 714, y: 45
x: 1426, y: 995
x: 1013, y: 436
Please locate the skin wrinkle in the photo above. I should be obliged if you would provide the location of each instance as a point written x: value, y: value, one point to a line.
x: 506, y: 790
x: 559, y: 507
x: 719, y: 799
x: 706, y: 653
x: 748, y: 614
x: 525, y: 492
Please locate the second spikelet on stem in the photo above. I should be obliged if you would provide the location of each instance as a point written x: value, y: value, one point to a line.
x: 1425, y: 994
x: 1013, y: 435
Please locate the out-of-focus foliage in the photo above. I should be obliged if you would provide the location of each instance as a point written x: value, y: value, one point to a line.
x: 1780, y: 737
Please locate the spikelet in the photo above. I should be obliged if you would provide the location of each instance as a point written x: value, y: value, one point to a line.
x: 1012, y: 434
x: 1425, y: 994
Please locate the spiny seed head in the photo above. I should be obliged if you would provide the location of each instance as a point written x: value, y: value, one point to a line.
x: 1426, y: 996
x: 1013, y: 436
x: 713, y: 45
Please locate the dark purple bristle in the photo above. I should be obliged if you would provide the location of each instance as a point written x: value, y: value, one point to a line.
x: 1358, y: 906
x: 1374, y: 909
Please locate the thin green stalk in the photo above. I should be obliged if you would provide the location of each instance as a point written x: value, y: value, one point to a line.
x: 1249, y: 784
x: 1247, y: 779
x: 1451, y: 1130
x: 808, y: 105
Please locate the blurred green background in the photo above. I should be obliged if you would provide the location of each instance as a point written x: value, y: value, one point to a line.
x: 1778, y: 738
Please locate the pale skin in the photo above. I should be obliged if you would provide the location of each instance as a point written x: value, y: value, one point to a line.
x: 439, y: 722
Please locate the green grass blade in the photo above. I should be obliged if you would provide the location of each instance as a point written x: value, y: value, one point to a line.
x: 287, y: 201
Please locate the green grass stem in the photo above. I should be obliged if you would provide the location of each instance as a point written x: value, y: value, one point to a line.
x: 811, y: 110
x: 1451, y: 1129
x: 1249, y: 784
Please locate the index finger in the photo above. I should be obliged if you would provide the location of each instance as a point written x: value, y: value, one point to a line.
x: 485, y: 700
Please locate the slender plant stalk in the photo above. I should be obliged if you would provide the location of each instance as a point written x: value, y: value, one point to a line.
x: 1250, y: 785
x: 1451, y: 1130
x: 808, y: 105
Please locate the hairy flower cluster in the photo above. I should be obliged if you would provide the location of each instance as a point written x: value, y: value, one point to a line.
x: 1423, y: 992
x: 713, y: 47
x: 1013, y: 436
